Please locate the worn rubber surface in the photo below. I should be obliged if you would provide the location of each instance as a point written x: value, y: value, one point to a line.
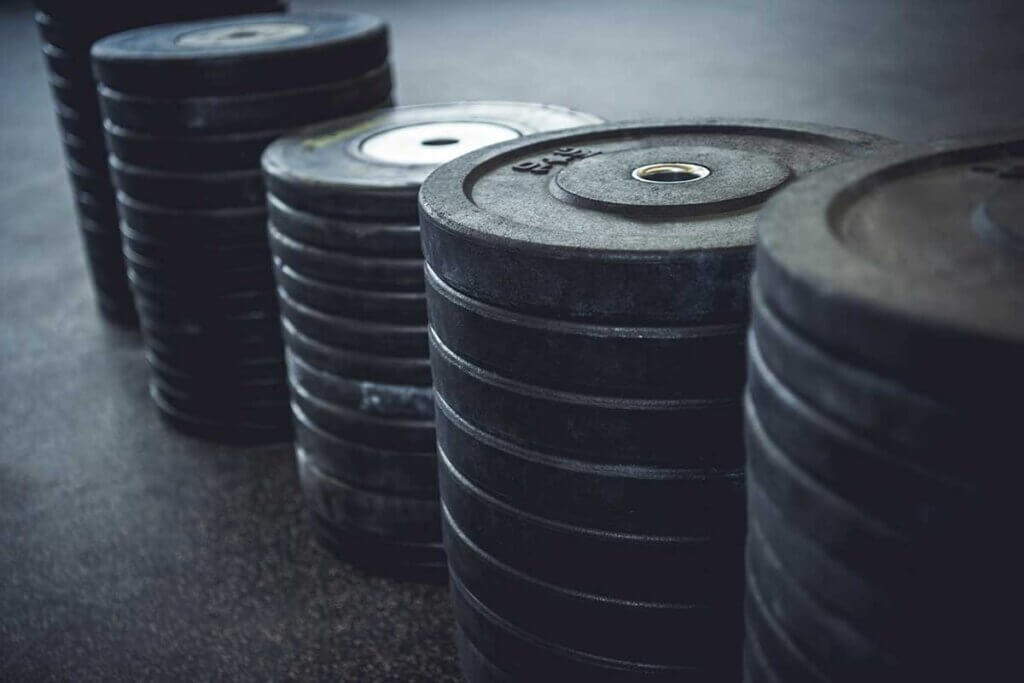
x: 556, y: 224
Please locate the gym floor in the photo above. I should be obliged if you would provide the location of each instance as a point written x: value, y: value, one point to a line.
x: 129, y: 552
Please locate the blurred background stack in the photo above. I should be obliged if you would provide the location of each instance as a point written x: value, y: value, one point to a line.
x: 68, y: 29
x: 188, y: 110
x: 349, y: 268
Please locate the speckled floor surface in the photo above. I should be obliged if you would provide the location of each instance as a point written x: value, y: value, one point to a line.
x: 131, y: 553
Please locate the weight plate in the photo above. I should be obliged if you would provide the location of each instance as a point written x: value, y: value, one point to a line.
x: 374, y: 164
x: 80, y: 97
x: 211, y: 395
x: 891, y: 262
x: 124, y: 13
x: 241, y: 54
x: 238, y: 301
x: 361, y: 304
x: 205, y: 153
x: 250, y: 112
x: 76, y: 122
x: 596, y: 429
x: 531, y: 658
x: 404, y: 341
x: 100, y: 209
x: 913, y: 430
x: 87, y: 180
x: 202, y: 228
x: 668, y: 501
x: 234, y: 430
x: 381, y: 554
x: 358, y: 365
x: 224, y: 330
x: 374, y: 272
x: 264, y: 377
x: 398, y: 517
x: 847, y: 534
x: 221, y: 331
x: 85, y: 153
x: 359, y: 237
x: 194, y: 273
x: 149, y: 246
x: 640, y: 362
x: 116, y: 309
x: 238, y: 360
x: 372, y: 398
x: 647, y: 568
x: 824, y: 638
x: 189, y: 190
x: 473, y: 665
x: 401, y: 434
x: 97, y: 239
x: 640, y: 223
x: 781, y: 655
x: 205, y: 402
x: 71, y: 65
x: 184, y: 347
x: 372, y: 468
x: 907, y: 496
x: 657, y: 633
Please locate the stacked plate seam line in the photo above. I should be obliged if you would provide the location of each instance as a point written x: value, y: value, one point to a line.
x: 68, y: 28
x: 587, y: 305
x: 349, y: 268
x: 188, y: 110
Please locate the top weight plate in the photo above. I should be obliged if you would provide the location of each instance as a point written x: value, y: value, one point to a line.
x: 912, y: 262
x: 374, y: 164
x: 257, y: 53
x: 630, y: 223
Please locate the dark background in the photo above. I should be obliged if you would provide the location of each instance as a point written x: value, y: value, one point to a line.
x: 129, y: 552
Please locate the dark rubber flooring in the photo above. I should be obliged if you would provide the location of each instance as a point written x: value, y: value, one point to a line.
x: 131, y: 553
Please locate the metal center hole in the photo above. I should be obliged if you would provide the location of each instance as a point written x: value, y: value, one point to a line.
x: 671, y: 172
x: 437, y: 142
x: 243, y: 34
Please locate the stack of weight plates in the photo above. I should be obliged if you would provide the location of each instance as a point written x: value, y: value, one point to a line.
x: 343, y: 228
x: 587, y: 297
x: 886, y: 364
x: 189, y: 109
x: 68, y: 29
